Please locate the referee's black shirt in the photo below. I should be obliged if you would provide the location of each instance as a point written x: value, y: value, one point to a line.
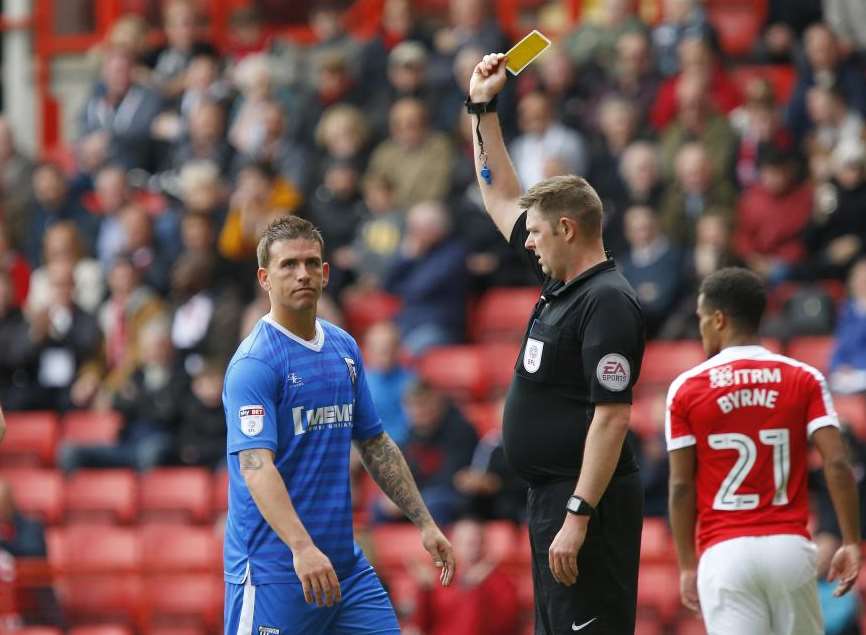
x: 583, y: 346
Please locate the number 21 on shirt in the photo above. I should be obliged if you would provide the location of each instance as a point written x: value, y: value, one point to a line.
x: 726, y: 498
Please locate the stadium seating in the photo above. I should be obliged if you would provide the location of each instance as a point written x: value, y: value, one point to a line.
x: 647, y: 625
x: 38, y: 630
x: 658, y: 590
x: 363, y: 310
x: 647, y: 413
x: 483, y: 415
x: 220, y: 491
x: 31, y: 439
x: 501, y: 314
x: 656, y: 545
x: 83, y: 427
x: 94, y: 568
x: 37, y: 492
x: 175, y: 630
x: 178, y: 494
x: 101, y: 629
x: 394, y: 545
x: 663, y: 361
x: 814, y: 351
x: 499, y: 359
x: 183, y: 600
x: 459, y: 371
x: 171, y: 548
x: 738, y: 23
x: 500, y: 540
x: 102, y: 496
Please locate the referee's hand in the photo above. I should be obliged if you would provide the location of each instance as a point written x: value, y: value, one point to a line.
x: 440, y: 550
x: 317, y: 576
x: 562, y: 555
x: 488, y: 78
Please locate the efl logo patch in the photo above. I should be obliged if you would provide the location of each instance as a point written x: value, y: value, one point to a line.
x: 252, y: 419
x: 532, y: 355
x: 613, y: 372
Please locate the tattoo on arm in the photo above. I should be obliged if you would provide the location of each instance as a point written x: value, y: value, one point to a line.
x: 386, y: 465
x: 250, y: 460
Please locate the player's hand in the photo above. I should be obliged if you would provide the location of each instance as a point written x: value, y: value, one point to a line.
x: 317, y: 576
x: 440, y: 550
x: 845, y: 567
x: 488, y: 78
x: 562, y: 555
x: 689, y: 590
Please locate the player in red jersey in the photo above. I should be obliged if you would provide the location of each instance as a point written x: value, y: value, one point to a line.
x: 738, y: 428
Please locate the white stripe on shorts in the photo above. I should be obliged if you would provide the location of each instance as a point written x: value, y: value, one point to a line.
x: 245, y: 622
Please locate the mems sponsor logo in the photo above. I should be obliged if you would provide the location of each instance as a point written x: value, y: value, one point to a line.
x: 325, y: 417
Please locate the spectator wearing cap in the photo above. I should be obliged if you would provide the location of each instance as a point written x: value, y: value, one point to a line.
x: 408, y: 76
x: 772, y: 215
x: 416, y: 158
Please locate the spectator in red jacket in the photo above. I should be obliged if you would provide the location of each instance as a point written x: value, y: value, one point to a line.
x: 772, y: 215
x: 696, y: 58
x: 483, y: 600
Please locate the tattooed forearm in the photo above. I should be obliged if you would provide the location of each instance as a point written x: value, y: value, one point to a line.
x: 386, y: 465
x: 250, y: 460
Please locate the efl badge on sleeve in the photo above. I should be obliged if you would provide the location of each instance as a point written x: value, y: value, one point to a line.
x: 252, y: 420
x: 353, y: 372
x: 532, y: 355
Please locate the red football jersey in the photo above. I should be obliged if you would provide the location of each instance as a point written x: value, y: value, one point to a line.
x: 749, y: 413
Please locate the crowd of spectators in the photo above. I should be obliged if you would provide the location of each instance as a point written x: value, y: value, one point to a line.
x: 127, y: 273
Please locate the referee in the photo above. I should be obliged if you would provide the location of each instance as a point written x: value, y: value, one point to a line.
x: 568, y: 407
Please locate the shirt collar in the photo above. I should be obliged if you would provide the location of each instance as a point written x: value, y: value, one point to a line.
x: 580, y: 278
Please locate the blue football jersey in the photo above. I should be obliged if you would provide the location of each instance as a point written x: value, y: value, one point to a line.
x: 306, y: 401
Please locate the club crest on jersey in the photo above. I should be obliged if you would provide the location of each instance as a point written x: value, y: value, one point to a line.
x: 353, y: 372
x: 613, y: 372
x: 252, y: 419
x: 532, y: 355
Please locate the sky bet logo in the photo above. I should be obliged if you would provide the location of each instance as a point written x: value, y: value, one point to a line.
x: 337, y: 416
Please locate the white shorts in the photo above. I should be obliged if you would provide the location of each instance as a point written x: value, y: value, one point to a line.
x: 762, y: 585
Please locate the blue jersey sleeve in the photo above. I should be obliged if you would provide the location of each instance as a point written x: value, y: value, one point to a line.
x: 250, y: 401
x: 367, y: 423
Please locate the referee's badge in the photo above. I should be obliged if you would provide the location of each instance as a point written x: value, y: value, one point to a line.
x: 613, y: 372
x: 532, y: 355
x: 353, y: 372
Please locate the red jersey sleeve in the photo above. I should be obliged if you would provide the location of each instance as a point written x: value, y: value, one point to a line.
x: 819, y: 407
x: 678, y: 431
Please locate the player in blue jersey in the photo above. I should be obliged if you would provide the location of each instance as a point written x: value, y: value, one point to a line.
x: 295, y: 399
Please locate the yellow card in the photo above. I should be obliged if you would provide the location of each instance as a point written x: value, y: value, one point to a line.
x: 525, y: 51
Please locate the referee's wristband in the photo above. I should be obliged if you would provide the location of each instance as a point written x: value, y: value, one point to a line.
x: 480, y: 107
x: 579, y: 507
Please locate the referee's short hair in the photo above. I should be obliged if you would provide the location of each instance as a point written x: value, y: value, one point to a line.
x: 567, y: 195
x: 286, y: 228
x: 738, y: 293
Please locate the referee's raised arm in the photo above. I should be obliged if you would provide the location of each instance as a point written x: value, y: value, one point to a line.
x: 500, y: 186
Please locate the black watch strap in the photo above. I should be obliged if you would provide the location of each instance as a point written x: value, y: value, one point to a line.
x: 479, y: 108
x: 579, y: 507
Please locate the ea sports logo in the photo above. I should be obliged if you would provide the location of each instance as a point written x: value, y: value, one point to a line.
x: 613, y: 372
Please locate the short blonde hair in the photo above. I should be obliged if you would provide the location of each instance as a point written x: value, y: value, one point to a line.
x: 342, y: 115
x: 570, y: 196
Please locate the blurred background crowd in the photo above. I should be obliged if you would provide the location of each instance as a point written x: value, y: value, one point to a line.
x: 716, y: 133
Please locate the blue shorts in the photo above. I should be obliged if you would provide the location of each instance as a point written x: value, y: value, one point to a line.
x: 280, y: 609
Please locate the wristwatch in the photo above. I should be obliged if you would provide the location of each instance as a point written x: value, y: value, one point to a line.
x: 480, y: 107
x: 579, y: 507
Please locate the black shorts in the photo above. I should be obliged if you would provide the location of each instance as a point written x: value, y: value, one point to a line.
x: 603, y: 600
